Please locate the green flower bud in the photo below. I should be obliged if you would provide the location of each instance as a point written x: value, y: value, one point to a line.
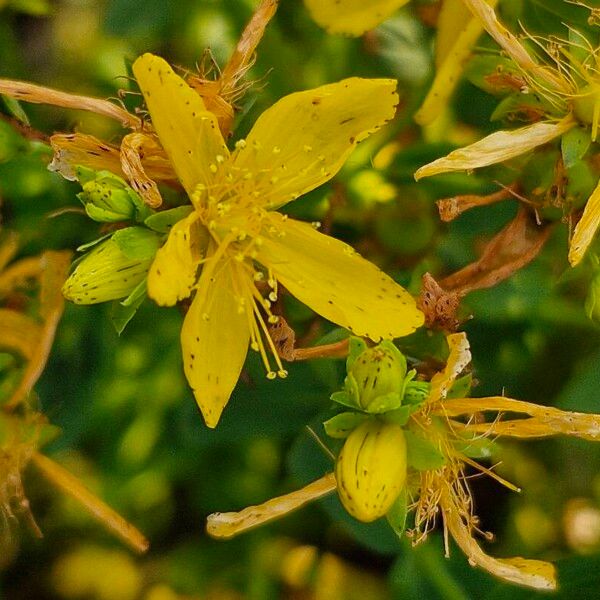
x: 107, y: 198
x: 371, y: 469
x: 377, y: 372
x: 114, y: 268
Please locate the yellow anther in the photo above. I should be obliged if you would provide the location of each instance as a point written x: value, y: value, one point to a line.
x: 282, y: 373
x: 240, y: 144
x: 212, y: 168
x: 220, y: 158
x: 273, y: 297
x: 259, y: 276
x: 273, y: 319
x: 271, y: 375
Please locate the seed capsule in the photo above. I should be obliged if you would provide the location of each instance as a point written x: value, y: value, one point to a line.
x: 371, y: 469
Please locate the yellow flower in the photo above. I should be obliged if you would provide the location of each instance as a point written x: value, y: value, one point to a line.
x: 243, y: 247
x: 569, y: 83
x: 351, y: 17
x: 437, y: 491
x: 457, y: 33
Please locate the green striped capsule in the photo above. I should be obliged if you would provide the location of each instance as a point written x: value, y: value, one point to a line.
x: 371, y: 469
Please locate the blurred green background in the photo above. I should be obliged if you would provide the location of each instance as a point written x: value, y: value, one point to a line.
x: 130, y: 426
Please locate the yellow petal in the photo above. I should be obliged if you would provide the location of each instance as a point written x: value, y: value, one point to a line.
x: 457, y: 33
x: 336, y: 282
x: 586, y: 228
x: 174, y: 270
x: 458, y: 359
x: 214, y: 341
x: 188, y: 132
x: 530, y: 573
x: 544, y: 421
x: 351, y: 17
x: 226, y: 525
x: 304, y: 139
x: 497, y: 147
x: 18, y: 332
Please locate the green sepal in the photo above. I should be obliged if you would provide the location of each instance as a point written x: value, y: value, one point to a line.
x: 477, y: 447
x: 138, y: 243
x: 164, y: 220
x: 344, y: 399
x: 574, y: 144
x: 122, y: 312
x: 396, y: 516
x: 384, y: 403
x: 357, y: 347
x: 422, y: 455
x: 416, y: 392
x: 15, y: 109
x: 461, y: 388
x: 401, y: 415
x: 342, y: 425
x: 482, y: 71
x: 518, y: 106
x: 351, y: 388
x: 93, y: 243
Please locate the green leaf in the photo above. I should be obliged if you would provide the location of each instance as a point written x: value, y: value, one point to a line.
x: 385, y: 403
x: 15, y: 109
x: 422, y: 455
x: 122, y: 312
x: 574, y: 144
x: 343, y: 424
x: 396, y: 516
x: 137, y: 242
x: 519, y: 106
x: 344, y: 399
x: 461, y: 388
x: 401, y: 415
x: 477, y: 447
x: 164, y: 220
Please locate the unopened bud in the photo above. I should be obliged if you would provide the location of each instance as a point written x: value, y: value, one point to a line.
x: 377, y: 372
x: 113, y: 269
x: 107, y: 197
x: 371, y: 469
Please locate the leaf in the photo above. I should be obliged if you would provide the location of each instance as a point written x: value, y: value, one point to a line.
x: 422, y: 455
x: 15, y: 109
x: 164, y: 220
x: 342, y: 425
x: 461, y: 388
x: 122, y: 312
x: 137, y: 242
x: 574, y: 144
x: 396, y: 516
x: 401, y: 415
x: 344, y: 399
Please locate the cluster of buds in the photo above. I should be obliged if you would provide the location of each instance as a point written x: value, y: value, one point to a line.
x: 371, y: 468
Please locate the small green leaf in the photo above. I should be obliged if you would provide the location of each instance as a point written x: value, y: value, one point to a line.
x: 422, y: 455
x: 401, y: 415
x: 344, y: 399
x: 137, y: 242
x: 416, y: 392
x: 164, y: 220
x: 384, y: 403
x: 15, y: 109
x: 461, y: 388
x: 477, y: 447
x: 343, y: 424
x: 91, y: 244
x: 574, y: 144
x: 396, y: 516
x: 122, y: 312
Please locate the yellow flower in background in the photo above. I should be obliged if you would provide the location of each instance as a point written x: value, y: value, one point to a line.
x: 440, y: 435
x: 351, y: 17
x: 457, y: 32
x: 569, y: 82
x: 243, y: 247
